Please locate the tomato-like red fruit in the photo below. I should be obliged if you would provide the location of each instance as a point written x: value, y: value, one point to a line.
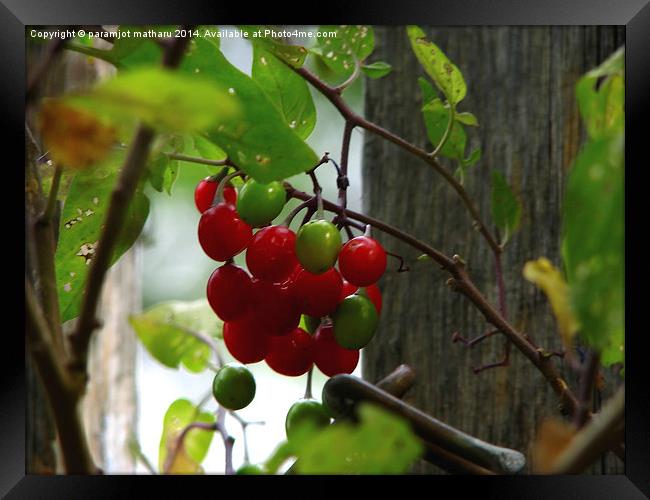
x: 271, y: 254
x: 362, y: 261
x: 229, y: 292
x: 372, y: 291
x: 292, y: 354
x: 273, y: 308
x: 289, y: 282
x: 222, y: 234
x: 245, y: 341
x: 347, y: 289
x: 317, y: 294
x: 331, y: 358
x: 374, y: 294
x: 205, y: 191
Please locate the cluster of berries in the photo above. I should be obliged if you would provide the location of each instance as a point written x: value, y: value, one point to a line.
x: 290, y: 275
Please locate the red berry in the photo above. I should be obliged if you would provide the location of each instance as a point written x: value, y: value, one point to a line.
x: 289, y: 282
x: 245, y: 341
x: 229, y: 292
x: 331, y: 358
x: 205, y: 191
x: 222, y: 234
x: 317, y: 294
x: 273, y: 308
x: 374, y: 294
x: 347, y: 289
x: 362, y: 261
x: 271, y: 254
x: 372, y: 291
x: 293, y: 354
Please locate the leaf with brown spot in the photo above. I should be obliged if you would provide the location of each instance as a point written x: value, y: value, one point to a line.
x: 553, y: 437
x: 73, y: 137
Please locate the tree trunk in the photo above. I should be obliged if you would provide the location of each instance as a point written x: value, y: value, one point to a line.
x: 110, y: 405
x: 521, y: 84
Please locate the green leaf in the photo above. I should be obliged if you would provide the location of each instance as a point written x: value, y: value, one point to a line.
x: 467, y: 118
x: 292, y: 54
x: 506, y: 209
x: 351, y: 45
x: 164, y: 100
x: 166, y: 332
x: 208, y: 149
x: 81, y: 221
x: 377, y: 69
x: 601, y: 97
x: 428, y: 92
x: 258, y: 140
x: 594, y: 244
x: 196, y: 442
x: 286, y: 90
x: 163, y: 171
x: 442, y: 71
x: 436, y: 119
x: 473, y: 158
x: 381, y: 443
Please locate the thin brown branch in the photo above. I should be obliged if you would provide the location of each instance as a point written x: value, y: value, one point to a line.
x: 244, y: 427
x: 121, y: 197
x: 61, y: 396
x: 356, y: 120
x: 43, y: 235
x: 228, y: 440
x: 461, y: 282
x: 197, y: 159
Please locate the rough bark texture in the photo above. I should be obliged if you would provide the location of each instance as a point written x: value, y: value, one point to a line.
x: 521, y: 87
x: 110, y: 405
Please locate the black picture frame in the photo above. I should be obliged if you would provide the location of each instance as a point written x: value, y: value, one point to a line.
x: 15, y: 15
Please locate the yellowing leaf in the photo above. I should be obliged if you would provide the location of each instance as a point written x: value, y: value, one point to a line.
x: 553, y: 436
x: 74, y: 138
x: 162, y: 99
x: 183, y: 464
x: 195, y: 445
x: 548, y: 278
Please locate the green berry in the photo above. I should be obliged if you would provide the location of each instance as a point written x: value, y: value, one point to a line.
x: 258, y: 204
x: 355, y: 321
x: 233, y: 386
x: 303, y: 414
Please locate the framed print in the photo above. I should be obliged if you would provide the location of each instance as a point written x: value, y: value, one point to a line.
x: 391, y: 244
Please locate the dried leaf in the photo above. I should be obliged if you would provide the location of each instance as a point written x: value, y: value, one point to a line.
x: 553, y: 437
x: 548, y: 278
x: 74, y: 138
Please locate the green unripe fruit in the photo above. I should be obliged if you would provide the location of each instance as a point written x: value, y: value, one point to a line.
x: 250, y: 469
x: 317, y: 245
x: 258, y: 204
x: 233, y: 386
x: 355, y: 321
x: 303, y: 414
